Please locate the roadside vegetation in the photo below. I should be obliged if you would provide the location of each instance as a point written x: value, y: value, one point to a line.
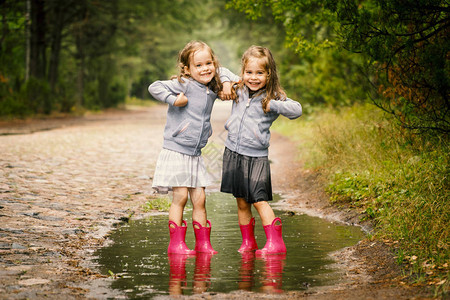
x: 395, y: 178
x: 159, y: 204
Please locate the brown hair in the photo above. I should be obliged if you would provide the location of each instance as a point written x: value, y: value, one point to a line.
x: 184, y: 59
x: 273, y: 86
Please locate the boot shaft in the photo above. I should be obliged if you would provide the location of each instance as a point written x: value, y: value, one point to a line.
x: 248, y: 237
x: 203, y: 237
x: 274, y: 235
x: 177, y: 242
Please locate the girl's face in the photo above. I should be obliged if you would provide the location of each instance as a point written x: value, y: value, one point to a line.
x: 255, y: 76
x: 201, y: 66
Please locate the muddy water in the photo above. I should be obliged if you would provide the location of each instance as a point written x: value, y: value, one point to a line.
x: 138, y: 255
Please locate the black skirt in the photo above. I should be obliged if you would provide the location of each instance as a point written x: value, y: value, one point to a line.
x: 246, y: 177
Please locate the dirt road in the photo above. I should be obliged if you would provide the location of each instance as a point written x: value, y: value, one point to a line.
x: 64, y: 183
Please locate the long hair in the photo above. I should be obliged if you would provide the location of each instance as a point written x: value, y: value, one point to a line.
x: 184, y: 60
x: 273, y: 86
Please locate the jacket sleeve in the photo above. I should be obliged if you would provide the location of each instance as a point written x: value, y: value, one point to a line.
x: 166, y: 90
x: 227, y: 75
x: 289, y: 108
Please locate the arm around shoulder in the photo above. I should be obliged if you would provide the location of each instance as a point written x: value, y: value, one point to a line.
x: 227, y: 75
x: 289, y: 108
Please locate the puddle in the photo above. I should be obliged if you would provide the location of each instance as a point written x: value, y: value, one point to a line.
x: 138, y: 255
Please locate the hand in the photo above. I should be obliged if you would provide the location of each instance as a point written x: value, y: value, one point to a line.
x: 181, y: 100
x: 227, y: 92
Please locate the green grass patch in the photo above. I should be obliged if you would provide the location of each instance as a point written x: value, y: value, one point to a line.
x: 159, y: 204
x: 133, y: 101
x: 397, y: 179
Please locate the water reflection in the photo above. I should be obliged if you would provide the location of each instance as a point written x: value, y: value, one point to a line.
x: 139, y: 255
x: 273, y: 273
x: 202, y: 272
x: 271, y: 279
x: 247, y: 270
x: 177, y: 273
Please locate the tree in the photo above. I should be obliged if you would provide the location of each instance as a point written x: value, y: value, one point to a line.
x: 408, y: 43
x: 405, y: 42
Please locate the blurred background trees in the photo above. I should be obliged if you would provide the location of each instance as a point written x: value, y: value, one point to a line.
x: 65, y: 56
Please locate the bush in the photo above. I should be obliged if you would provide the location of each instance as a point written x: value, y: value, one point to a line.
x: 398, y: 179
x: 13, y: 106
x: 37, y: 95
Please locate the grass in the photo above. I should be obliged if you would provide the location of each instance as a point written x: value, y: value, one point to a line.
x: 159, y: 204
x: 397, y: 179
x: 131, y: 102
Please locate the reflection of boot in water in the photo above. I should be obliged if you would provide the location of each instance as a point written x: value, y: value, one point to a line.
x: 202, y: 272
x: 273, y: 271
x: 177, y: 275
x: 246, y: 271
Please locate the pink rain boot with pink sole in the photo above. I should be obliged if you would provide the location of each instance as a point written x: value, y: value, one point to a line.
x: 274, y: 243
x: 177, y: 242
x: 202, y: 237
x: 248, y: 237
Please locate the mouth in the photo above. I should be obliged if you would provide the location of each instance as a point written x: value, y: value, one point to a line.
x: 254, y: 84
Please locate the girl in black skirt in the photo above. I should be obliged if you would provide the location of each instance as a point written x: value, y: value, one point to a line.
x: 246, y: 170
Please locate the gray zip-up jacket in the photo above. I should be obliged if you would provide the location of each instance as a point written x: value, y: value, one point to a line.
x: 187, y: 128
x: 249, y: 127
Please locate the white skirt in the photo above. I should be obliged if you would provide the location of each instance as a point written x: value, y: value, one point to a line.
x: 174, y: 169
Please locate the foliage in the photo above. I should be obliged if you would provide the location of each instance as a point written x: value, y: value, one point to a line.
x: 307, y: 25
x: 405, y: 42
x: 408, y: 41
x: 313, y: 70
x: 90, y: 54
x: 398, y: 179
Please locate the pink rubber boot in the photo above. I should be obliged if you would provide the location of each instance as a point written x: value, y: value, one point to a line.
x: 274, y: 243
x: 177, y: 236
x: 248, y: 237
x: 202, y: 237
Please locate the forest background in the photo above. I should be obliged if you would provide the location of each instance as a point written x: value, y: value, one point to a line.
x: 372, y: 76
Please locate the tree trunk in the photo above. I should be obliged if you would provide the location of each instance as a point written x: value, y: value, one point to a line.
x: 28, y: 38
x: 80, y: 77
x: 55, y: 48
x: 37, y: 40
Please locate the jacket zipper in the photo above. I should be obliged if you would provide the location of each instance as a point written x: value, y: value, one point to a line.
x: 203, y: 122
x: 242, y: 122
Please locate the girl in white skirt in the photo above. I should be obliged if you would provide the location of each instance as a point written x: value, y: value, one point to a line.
x: 190, y: 96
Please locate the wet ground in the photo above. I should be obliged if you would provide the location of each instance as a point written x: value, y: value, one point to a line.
x: 138, y: 255
x: 65, y: 183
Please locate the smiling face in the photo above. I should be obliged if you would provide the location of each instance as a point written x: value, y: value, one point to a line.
x: 201, y: 66
x: 255, y: 75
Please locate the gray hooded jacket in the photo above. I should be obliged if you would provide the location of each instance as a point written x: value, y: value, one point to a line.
x: 249, y: 127
x: 187, y: 128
